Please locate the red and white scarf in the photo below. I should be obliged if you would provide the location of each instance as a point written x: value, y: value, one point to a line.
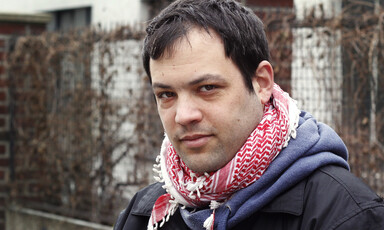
x: 185, y: 188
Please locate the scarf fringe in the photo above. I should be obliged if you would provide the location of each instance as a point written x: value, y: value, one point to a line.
x: 294, y: 114
x: 173, y: 207
x: 210, y: 221
x: 157, y: 170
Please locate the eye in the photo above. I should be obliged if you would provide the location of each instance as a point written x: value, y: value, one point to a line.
x: 206, y: 88
x: 165, y: 95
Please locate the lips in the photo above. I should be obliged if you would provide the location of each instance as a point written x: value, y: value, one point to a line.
x: 195, y: 141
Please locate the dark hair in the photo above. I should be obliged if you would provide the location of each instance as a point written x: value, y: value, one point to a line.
x: 240, y: 29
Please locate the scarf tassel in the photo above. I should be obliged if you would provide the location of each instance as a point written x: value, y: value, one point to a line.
x: 210, y: 221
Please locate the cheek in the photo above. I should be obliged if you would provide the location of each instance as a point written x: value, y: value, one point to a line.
x: 166, y: 119
x: 163, y: 117
x: 247, y: 112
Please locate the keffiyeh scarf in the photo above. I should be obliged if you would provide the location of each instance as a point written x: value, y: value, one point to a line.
x: 186, y: 188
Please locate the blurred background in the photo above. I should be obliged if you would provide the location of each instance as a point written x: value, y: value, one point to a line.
x: 79, y: 131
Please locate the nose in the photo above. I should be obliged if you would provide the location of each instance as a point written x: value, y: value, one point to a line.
x: 187, y: 111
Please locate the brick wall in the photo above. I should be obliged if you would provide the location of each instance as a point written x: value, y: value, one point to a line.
x: 11, y: 27
x: 4, y: 129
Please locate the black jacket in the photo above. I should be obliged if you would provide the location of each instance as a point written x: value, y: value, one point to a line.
x: 331, y: 198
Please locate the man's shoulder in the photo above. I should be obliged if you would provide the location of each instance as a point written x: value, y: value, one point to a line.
x: 326, y: 187
x: 137, y: 214
x: 145, y: 199
x: 335, y: 196
x: 339, y: 180
x: 330, y: 198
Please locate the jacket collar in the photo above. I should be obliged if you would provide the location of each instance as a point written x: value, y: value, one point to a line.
x: 147, y: 198
x: 291, y: 201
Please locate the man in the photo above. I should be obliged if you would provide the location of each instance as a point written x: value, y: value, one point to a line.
x: 237, y: 154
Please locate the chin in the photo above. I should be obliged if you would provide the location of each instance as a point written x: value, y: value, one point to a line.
x: 203, y: 162
x: 201, y: 169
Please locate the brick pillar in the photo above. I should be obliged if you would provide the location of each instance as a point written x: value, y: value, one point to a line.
x: 4, y: 129
x: 11, y: 26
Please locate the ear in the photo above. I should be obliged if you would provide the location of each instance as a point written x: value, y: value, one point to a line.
x: 263, y: 81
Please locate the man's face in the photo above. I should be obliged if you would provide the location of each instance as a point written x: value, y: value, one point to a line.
x: 206, y: 109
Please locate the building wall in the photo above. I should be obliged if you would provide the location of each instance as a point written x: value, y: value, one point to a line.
x: 106, y: 13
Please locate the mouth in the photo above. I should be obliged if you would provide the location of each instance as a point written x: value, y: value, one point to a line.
x: 195, y: 141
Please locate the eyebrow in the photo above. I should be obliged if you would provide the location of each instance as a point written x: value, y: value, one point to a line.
x: 203, y: 78
x: 207, y: 77
x: 160, y: 85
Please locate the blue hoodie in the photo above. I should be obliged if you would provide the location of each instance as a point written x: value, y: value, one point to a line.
x: 316, y: 145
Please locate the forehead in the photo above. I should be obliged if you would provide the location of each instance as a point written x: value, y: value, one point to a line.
x: 199, y: 50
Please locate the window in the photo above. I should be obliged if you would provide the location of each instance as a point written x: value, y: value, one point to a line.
x: 64, y: 20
